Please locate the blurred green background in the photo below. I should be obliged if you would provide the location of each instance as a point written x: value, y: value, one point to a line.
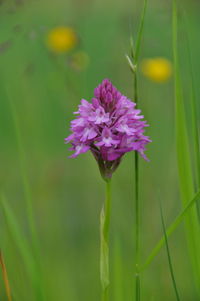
x: 42, y: 90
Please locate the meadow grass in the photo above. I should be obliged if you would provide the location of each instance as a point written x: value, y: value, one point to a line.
x: 22, y: 245
x: 34, y: 250
x: 186, y: 181
x: 49, y: 210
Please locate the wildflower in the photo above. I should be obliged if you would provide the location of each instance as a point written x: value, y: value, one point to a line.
x: 109, y: 127
x: 157, y: 69
x: 61, y: 39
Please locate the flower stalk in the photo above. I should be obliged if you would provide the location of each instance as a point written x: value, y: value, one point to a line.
x: 132, y: 60
x: 104, y: 242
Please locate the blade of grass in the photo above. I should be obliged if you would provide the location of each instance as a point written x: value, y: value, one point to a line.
x: 168, y: 254
x: 140, y: 32
x: 169, y: 231
x: 22, y: 245
x: 27, y: 191
x: 184, y: 161
x: 5, y: 277
x: 193, y: 102
x: 15, y: 231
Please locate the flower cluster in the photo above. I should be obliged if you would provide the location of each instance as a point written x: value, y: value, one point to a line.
x: 109, y: 127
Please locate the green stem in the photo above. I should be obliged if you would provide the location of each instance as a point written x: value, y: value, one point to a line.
x: 137, y: 229
x: 107, y: 209
x: 104, y: 235
x: 135, y: 87
x: 133, y: 61
x: 137, y: 207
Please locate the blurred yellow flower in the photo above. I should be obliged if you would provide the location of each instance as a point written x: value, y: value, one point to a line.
x: 79, y: 60
x: 157, y: 69
x: 61, y: 39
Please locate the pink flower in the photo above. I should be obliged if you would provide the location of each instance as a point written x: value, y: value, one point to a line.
x: 107, y: 138
x: 109, y: 126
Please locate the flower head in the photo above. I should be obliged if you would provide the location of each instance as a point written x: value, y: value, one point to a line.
x: 109, y: 127
x: 61, y: 39
x: 157, y: 69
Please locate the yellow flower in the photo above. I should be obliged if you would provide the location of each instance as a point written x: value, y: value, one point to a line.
x: 79, y: 60
x: 157, y: 69
x: 61, y: 39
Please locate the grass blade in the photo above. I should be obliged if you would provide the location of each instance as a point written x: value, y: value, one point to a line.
x: 170, y: 230
x: 5, y: 277
x: 27, y: 193
x: 26, y: 186
x: 22, y: 245
x: 15, y: 231
x: 195, y: 130
x: 182, y: 145
x: 186, y: 182
x: 168, y: 254
x: 140, y: 32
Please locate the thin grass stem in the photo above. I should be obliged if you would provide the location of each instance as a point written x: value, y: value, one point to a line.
x: 137, y: 228
x: 169, y: 231
x: 168, y: 254
x: 134, y: 58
